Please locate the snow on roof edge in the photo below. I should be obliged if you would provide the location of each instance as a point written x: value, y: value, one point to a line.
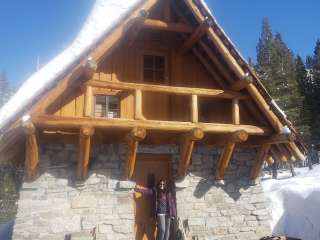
x: 93, y: 29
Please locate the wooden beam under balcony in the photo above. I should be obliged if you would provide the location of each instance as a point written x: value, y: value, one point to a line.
x: 58, y: 122
x: 242, y: 83
x: 133, y: 138
x: 223, y: 163
x: 85, y: 135
x: 167, y: 26
x: 32, y: 149
x: 204, y: 92
x: 262, y: 155
x: 194, y: 135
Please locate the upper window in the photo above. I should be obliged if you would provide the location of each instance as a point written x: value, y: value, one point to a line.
x: 154, y: 69
x: 107, y: 106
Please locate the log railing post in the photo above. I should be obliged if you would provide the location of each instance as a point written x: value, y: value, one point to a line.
x: 32, y: 149
x: 85, y: 135
x: 138, y: 105
x: 194, y: 108
x: 235, y: 111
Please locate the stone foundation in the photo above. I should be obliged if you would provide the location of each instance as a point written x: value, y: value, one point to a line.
x: 57, y: 206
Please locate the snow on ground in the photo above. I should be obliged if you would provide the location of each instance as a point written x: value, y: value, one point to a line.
x: 295, y: 203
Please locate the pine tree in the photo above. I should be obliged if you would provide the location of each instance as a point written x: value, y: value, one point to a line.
x: 305, y: 87
x: 276, y: 68
x: 313, y: 63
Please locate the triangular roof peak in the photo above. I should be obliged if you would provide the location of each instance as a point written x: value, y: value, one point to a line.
x: 104, y: 23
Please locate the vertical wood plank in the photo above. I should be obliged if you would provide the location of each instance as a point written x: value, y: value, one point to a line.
x: 138, y: 105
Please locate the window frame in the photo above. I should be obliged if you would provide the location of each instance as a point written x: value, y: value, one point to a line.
x: 106, y: 93
x: 166, y: 72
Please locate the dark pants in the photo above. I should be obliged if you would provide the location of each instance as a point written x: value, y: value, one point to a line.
x: 164, y: 222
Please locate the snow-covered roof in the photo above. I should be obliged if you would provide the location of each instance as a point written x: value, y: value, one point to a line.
x: 104, y: 15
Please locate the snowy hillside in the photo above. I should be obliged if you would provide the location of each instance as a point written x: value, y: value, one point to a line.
x: 295, y: 203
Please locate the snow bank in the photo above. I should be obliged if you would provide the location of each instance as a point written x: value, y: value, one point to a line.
x: 295, y: 203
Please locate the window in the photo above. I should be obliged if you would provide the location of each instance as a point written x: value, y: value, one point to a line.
x: 154, y: 69
x: 107, y: 106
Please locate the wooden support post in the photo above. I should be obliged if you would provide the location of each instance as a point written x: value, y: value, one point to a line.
x: 138, y: 105
x: 235, y: 111
x: 194, y: 37
x: 194, y: 108
x: 88, y: 101
x: 260, y: 158
x: 236, y: 137
x: 85, y: 135
x: 195, y: 134
x: 32, y: 150
x: 133, y: 138
x: 275, y: 152
x: 295, y: 151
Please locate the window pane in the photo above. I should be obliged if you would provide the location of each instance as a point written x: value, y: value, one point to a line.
x: 148, y: 75
x: 107, y: 106
x: 159, y: 62
x: 159, y: 76
x: 148, y: 61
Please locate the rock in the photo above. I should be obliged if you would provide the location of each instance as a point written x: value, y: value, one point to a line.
x: 84, y: 200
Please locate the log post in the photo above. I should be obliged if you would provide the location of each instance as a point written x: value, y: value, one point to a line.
x: 32, y: 149
x: 235, y: 111
x: 88, y: 101
x: 133, y: 138
x: 195, y: 134
x: 85, y: 135
x: 236, y: 137
x: 194, y: 108
x: 138, y: 105
x: 260, y: 158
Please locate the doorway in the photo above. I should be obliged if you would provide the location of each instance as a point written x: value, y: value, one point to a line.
x: 149, y: 169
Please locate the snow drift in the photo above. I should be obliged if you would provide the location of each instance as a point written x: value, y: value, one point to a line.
x: 295, y: 203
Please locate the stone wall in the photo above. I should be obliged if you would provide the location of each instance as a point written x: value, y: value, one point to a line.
x: 57, y: 206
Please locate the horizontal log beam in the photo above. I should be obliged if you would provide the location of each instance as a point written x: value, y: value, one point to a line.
x: 167, y: 26
x: 216, y: 93
x: 57, y: 122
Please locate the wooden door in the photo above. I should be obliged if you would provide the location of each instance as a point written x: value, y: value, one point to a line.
x: 149, y: 170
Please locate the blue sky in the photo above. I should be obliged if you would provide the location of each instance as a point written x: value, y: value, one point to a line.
x: 43, y: 28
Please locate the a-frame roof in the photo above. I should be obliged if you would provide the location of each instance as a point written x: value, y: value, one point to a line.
x: 105, y: 16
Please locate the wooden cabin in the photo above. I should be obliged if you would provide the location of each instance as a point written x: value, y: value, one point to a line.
x: 149, y: 89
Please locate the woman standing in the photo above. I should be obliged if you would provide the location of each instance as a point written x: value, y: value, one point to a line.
x: 164, y: 207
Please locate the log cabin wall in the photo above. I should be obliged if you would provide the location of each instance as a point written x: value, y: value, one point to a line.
x: 125, y: 64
